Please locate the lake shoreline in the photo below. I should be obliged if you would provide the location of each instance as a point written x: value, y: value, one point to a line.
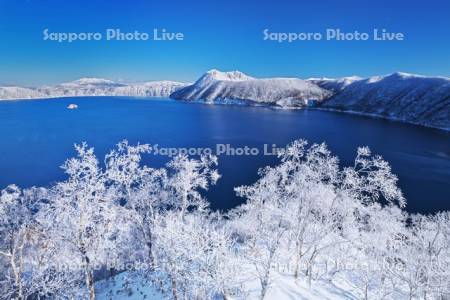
x: 249, y: 103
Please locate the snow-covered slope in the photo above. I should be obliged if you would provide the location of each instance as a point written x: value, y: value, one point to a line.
x: 149, y: 89
x: 334, y: 85
x: 93, y: 87
x: 216, y: 86
x: 400, y: 96
x: 129, y: 286
x: 15, y: 92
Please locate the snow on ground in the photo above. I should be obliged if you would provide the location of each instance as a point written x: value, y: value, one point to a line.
x: 125, y: 286
x: 283, y: 287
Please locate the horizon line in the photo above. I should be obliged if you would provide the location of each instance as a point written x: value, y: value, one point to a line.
x: 120, y: 81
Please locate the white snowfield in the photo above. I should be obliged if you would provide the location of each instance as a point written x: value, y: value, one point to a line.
x: 400, y: 96
x: 92, y: 87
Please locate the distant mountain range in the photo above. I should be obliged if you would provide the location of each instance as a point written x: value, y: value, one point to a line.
x: 400, y: 96
x: 92, y: 87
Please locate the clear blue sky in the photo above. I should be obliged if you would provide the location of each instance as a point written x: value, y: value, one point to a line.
x: 226, y: 35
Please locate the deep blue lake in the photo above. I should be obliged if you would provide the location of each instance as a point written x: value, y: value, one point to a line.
x: 38, y: 135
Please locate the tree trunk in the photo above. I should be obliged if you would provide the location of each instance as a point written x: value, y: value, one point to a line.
x: 310, y: 266
x: 297, y: 265
x: 309, y: 275
x: 89, y: 278
x: 174, y: 289
x: 90, y: 284
x: 20, y: 271
x: 147, y: 237
x: 150, y: 253
x: 263, y: 291
x: 298, y: 257
x: 17, y: 278
x: 265, y: 282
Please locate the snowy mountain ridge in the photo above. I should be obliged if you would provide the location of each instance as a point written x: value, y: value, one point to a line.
x: 399, y: 96
x: 89, y: 86
x: 91, y: 82
x: 334, y: 84
x: 16, y: 92
x: 215, y: 74
x: 215, y: 86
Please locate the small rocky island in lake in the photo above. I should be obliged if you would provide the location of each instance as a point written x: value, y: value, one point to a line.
x: 72, y: 106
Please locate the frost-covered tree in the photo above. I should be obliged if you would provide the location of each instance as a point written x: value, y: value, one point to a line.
x: 378, y: 233
x: 315, y: 206
x: 431, y: 235
x: 194, y: 256
x: 155, y: 199
x: 371, y: 179
x: 307, y: 217
x: 261, y: 231
x: 17, y: 226
x: 290, y: 207
x: 82, y: 214
x: 423, y: 260
x: 187, y: 176
x: 33, y: 261
x: 142, y: 189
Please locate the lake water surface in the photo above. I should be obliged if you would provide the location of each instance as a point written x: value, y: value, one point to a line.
x: 38, y: 135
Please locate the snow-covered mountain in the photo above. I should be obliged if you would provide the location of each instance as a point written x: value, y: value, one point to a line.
x: 150, y: 89
x: 16, y: 92
x: 400, y: 96
x: 93, y: 87
x: 90, y: 82
x: 216, y: 86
